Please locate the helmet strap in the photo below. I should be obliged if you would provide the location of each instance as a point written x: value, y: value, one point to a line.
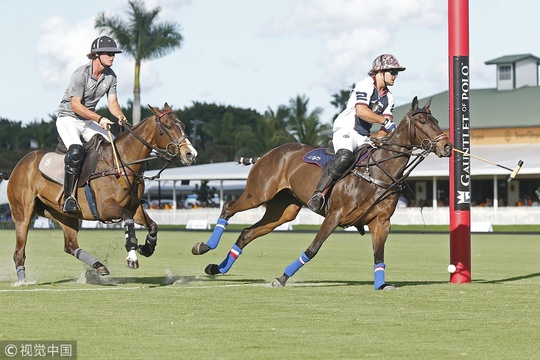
x: 102, y: 64
x: 384, y: 78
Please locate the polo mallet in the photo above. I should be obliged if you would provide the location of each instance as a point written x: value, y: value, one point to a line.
x: 118, y: 173
x: 513, y: 171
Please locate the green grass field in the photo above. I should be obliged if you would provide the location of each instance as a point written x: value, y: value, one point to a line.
x: 169, y: 309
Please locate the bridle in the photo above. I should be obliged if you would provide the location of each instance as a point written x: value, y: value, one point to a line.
x: 173, y: 147
x: 169, y: 152
x: 427, y: 144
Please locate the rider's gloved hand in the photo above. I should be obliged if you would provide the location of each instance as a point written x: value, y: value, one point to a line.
x: 105, y: 123
x: 389, y: 125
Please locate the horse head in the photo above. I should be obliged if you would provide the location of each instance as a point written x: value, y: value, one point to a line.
x: 170, y: 137
x: 423, y: 130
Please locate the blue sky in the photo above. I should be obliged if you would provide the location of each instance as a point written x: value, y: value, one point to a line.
x: 256, y: 54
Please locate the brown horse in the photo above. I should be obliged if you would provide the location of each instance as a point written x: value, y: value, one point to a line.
x: 367, y: 195
x: 110, y: 194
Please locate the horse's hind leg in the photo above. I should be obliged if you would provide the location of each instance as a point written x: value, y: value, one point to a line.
x: 328, y: 226
x: 222, y: 222
x: 253, y: 196
x: 70, y: 226
x: 281, y: 209
x: 19, y: 256
x: 23, y: 209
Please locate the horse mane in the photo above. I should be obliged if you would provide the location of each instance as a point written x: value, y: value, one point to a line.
x: 123, y: 129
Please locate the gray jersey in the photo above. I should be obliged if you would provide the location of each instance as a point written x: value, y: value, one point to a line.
x: 83, y: 85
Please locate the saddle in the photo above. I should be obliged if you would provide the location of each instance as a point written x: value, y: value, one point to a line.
x: 321, y: 156
x: 52, y: 164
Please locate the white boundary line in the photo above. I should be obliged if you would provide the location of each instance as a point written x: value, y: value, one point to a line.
x: 70, y: 290
x: 169, y: 286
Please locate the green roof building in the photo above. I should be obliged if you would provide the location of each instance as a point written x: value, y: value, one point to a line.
x: 505, y: 128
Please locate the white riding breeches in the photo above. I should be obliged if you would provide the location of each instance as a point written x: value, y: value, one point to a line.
x: 348, y: 139
x: 76, y: 131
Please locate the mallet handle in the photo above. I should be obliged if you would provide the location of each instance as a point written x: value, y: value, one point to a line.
x: 485, y: 160
x: 119, y: 177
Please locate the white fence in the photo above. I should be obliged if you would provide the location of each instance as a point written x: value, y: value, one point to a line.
x: 402, y: 216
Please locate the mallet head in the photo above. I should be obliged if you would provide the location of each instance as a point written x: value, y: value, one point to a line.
x: 516, y: 170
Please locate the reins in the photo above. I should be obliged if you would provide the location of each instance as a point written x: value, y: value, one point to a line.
x: 395, y: 186
x: 167, y: 154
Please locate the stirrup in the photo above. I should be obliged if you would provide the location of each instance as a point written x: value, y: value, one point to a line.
x: 70, y: 205
x: 316, y: 202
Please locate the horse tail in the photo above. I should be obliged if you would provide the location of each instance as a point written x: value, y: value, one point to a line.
x: 5, y: 175
x: 247, y: 160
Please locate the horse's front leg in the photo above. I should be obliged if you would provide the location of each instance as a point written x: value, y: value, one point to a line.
x: 328, y: 226
x: 379, y: 234
x: 141, y: 217
x: 132, y: 244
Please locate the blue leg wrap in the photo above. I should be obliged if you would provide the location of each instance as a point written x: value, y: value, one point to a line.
x: 216, y: 235
x: 378, y: 275
x: 296, y: 265
x: 230, y: 259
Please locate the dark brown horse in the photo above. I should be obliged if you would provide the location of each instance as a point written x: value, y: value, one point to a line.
x: 367, y: 195
x: 110, y: 195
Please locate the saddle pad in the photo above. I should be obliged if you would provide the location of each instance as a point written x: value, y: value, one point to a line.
x: 317, y: 156
x: 52, y: 167
x: 320, y: 157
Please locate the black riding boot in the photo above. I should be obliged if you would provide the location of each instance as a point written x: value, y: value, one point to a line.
x: 336, y: 167
x: 73, y: 162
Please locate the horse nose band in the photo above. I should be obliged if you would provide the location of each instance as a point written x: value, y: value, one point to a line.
x: 427, y: 144
x: 173, y: 148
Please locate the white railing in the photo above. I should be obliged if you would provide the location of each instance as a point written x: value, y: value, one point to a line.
x: 402, y: 216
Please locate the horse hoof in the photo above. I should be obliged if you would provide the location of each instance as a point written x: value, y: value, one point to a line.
x: 101, y: 269
x: 387, y: 287
x: 200, y: 248
x: 212, y: 269
x: 277, y: 284
x: 21, y: 283
x: 132, y: 264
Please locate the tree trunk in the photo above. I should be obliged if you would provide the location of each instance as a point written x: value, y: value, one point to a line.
x: 137, y: 95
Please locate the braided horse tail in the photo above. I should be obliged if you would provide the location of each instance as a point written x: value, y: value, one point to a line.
x: 247, y: 160
x: 4, y: 175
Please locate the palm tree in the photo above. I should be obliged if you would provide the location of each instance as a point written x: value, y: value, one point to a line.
x: 270, y: 132
x: 222, y: 136
x: 306, y: 127
x: 340, y: 100
x: 141, y: 38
